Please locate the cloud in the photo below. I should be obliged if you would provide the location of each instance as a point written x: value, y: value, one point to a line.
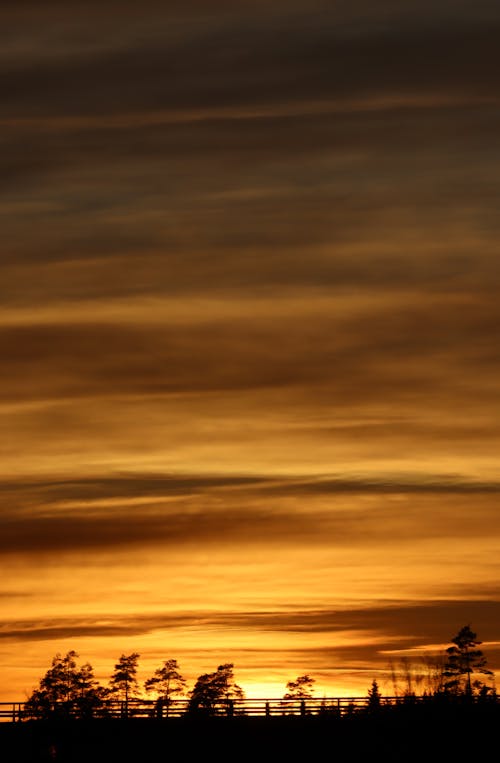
x: 359, y: 350
x: 50, y: 535
x: 83, y: 490
x: 376, y: 629
x: 216, y: 513
x: 254, y: 57
x: 194, y: 190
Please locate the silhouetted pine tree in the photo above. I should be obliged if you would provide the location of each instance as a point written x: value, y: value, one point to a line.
x: 464, y: 659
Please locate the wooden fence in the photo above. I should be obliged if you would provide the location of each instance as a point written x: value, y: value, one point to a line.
x: 141, y: 708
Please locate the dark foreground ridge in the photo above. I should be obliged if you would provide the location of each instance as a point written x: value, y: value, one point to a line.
x: 403, y: 734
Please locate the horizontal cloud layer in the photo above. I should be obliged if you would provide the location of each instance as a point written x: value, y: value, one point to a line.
x: 217, y: 512
x: 390, y: 630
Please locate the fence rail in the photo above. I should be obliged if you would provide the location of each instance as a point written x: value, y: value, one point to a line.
x: 141, y: 708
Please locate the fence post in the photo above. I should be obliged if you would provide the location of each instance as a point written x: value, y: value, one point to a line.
x: 267, y: 710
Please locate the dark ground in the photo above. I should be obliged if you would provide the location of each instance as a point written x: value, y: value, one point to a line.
x: 402, y: 737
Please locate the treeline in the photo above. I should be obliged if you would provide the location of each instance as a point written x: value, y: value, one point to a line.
x: 69, y: 686
x: 460, y: 671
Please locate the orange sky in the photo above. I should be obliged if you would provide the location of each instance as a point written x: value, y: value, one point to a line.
x: 249, y: 336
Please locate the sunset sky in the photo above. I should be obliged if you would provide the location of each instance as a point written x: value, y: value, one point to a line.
x: 250, y: 336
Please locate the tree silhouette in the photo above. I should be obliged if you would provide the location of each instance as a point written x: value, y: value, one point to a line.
x: 66, y: 687
x: 464, y: 659
x: 211, y: 689
x: 124, y: 681
x: 61, y: 681
x: 166, y: 681
x: 301, y: 688
x: 374, y: 696
x: 414, y: 676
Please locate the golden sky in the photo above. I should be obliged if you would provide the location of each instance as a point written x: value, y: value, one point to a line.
x: 249, y: 331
